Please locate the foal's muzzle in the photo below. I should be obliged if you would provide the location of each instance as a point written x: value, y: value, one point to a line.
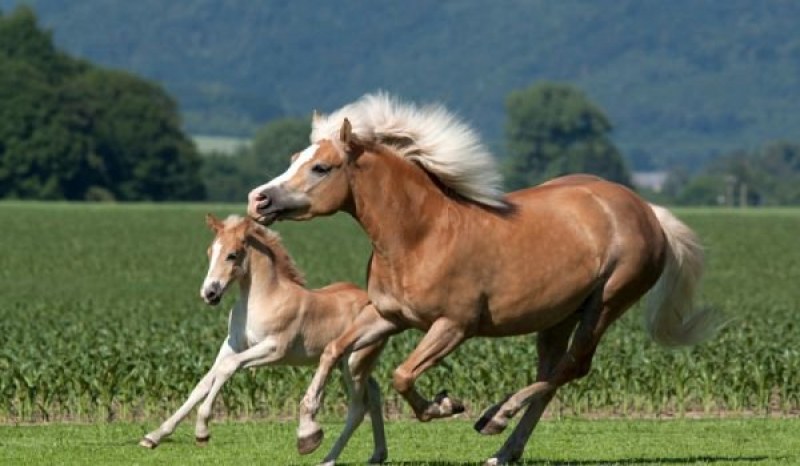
x: 212, y: 293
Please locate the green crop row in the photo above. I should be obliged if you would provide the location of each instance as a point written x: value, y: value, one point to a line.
x: 101, y: 318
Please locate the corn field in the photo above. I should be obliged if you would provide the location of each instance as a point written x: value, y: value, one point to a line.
x: 100, y: 319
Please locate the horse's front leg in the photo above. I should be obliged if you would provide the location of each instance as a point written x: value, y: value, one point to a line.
x: 441, y: 339
x: 265, y: 352
x: 200, y: 391
x: 368, y: 327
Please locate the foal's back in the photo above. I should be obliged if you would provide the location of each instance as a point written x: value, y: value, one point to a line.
x: 325, y: 313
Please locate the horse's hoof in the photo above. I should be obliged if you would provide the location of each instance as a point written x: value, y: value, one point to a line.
x: 202, y: 441
x: 147, y: 443
x: 489, y: 427
x: 444, y: 401
x: 309, y: 443
x: 378, y: 458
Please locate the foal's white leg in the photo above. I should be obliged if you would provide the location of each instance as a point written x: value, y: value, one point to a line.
x: 264, y: 352
x: 152, y: 439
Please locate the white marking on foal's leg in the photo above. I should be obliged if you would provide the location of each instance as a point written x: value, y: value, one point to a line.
x: 264, y: 352
x: 155, y: 437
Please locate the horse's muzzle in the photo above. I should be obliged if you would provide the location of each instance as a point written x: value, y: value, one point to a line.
x: 262, y: 206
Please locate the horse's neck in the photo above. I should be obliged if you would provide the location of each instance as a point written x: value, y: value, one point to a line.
x: 395, y: 202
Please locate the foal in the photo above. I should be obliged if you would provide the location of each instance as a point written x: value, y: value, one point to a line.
x: 277, y: 321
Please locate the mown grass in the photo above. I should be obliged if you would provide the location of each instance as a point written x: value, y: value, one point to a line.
x: 443, y: 443
x: 101, y: 319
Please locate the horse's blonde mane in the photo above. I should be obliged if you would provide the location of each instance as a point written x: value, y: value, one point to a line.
x: 430, y: 135
x: 271, y: 239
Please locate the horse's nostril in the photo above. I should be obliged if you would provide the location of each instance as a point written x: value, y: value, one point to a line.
x: 260, y: 197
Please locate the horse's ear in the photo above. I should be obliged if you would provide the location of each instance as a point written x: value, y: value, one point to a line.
x: 315, y: 117
x: 349, y: 140
x: 213, y: 223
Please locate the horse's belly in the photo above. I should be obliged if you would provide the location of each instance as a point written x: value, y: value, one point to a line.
x: 514, y: 312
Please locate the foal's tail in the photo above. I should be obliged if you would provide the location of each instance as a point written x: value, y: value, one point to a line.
x: 670, y: 317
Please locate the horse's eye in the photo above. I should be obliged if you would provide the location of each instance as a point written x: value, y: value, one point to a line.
x: 231, y: 257
x: 320, y: 168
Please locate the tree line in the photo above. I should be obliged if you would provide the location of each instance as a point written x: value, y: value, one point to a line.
x: 72, y: 130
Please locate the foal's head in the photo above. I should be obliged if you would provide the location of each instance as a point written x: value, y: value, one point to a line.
x: 316, y: 182
x: 230, y: 255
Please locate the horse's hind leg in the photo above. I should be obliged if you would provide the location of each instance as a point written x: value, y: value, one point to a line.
x: 595, y: 317
x: 551, y: 345
x: 361, y: 389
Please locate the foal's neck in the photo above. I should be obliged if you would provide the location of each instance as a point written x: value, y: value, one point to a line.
x: 263, y: 276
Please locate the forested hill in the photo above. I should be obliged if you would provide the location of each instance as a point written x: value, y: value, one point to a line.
x: 681, y: 80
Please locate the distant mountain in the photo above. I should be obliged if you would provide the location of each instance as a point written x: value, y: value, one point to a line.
x: 682, y: 80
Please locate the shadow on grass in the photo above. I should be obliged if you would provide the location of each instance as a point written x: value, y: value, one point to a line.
x: 626, y: 461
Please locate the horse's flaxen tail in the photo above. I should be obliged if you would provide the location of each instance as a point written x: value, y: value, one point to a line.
x: 670, y: 316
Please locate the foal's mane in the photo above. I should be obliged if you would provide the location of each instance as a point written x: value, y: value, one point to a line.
x: 272, y: 241
x: 443, y: 145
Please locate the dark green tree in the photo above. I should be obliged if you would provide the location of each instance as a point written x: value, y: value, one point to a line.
x: 553, y: 129
x: 139, y: 151
x: 230, y: 177
x: 70, y: 130
x: 275, y: 143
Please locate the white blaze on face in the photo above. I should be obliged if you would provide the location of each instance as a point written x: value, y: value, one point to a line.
x: 305, y: 156
x: 216, y: 248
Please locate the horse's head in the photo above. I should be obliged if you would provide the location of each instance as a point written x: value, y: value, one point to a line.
x: 316, y: 182
x: 227, y: 256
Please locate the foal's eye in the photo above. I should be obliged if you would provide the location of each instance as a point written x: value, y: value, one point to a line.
x: 320, y: 169
x: 231, y: 257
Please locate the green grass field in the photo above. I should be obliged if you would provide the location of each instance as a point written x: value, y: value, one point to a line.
x: 444, y: 443
x: 101, y: 321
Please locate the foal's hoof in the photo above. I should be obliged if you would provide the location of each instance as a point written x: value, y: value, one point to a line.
x: 147, y: 443
x: 309, y: 443
x: 202, y: 441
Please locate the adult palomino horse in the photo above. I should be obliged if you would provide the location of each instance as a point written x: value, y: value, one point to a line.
x: 456, y: 258
x: 277, y: 321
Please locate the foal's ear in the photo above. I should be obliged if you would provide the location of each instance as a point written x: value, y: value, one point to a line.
x: 315, y: 117
x: 349, y: 140
x: 250, y: 226
x: 213, y: 223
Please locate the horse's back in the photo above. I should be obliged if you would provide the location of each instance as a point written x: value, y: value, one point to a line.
x: 582, y: 226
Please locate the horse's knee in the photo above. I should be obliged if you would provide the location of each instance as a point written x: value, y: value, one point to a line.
x: 402, y: 380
